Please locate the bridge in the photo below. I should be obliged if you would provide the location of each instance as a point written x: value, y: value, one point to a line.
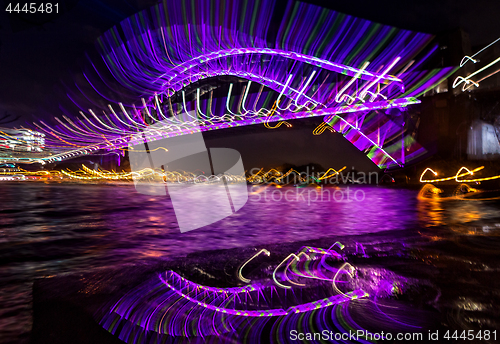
x: 180, y: 63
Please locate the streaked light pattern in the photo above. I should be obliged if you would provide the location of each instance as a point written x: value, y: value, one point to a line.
x: 169, y: 305
x: 162, y: 63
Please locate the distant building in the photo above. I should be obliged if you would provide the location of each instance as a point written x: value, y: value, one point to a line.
x: 21, y: 140
x: 463, y: 124
x: 483, y: 143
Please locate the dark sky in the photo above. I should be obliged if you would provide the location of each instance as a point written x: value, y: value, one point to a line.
x: 478, y: 17
x: 40, y: 54
x: 261, y: 147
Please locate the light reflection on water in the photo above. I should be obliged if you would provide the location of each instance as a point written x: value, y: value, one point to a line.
x: 56, y: 228
x: 445, y: 211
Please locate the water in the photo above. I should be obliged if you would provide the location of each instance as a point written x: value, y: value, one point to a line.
x: 52, y: 229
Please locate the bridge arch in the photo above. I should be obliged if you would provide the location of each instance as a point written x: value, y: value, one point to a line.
x: 316, y: 61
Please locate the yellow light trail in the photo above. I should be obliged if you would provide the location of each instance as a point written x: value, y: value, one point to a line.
x: 448, y: 178
x: 472, y: 180
x: 331, y: 169
x: 321, y: 128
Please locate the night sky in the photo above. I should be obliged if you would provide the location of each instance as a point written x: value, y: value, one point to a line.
x: 41, y: 55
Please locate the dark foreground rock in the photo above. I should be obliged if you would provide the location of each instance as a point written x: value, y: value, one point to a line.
x: 441, y: 287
